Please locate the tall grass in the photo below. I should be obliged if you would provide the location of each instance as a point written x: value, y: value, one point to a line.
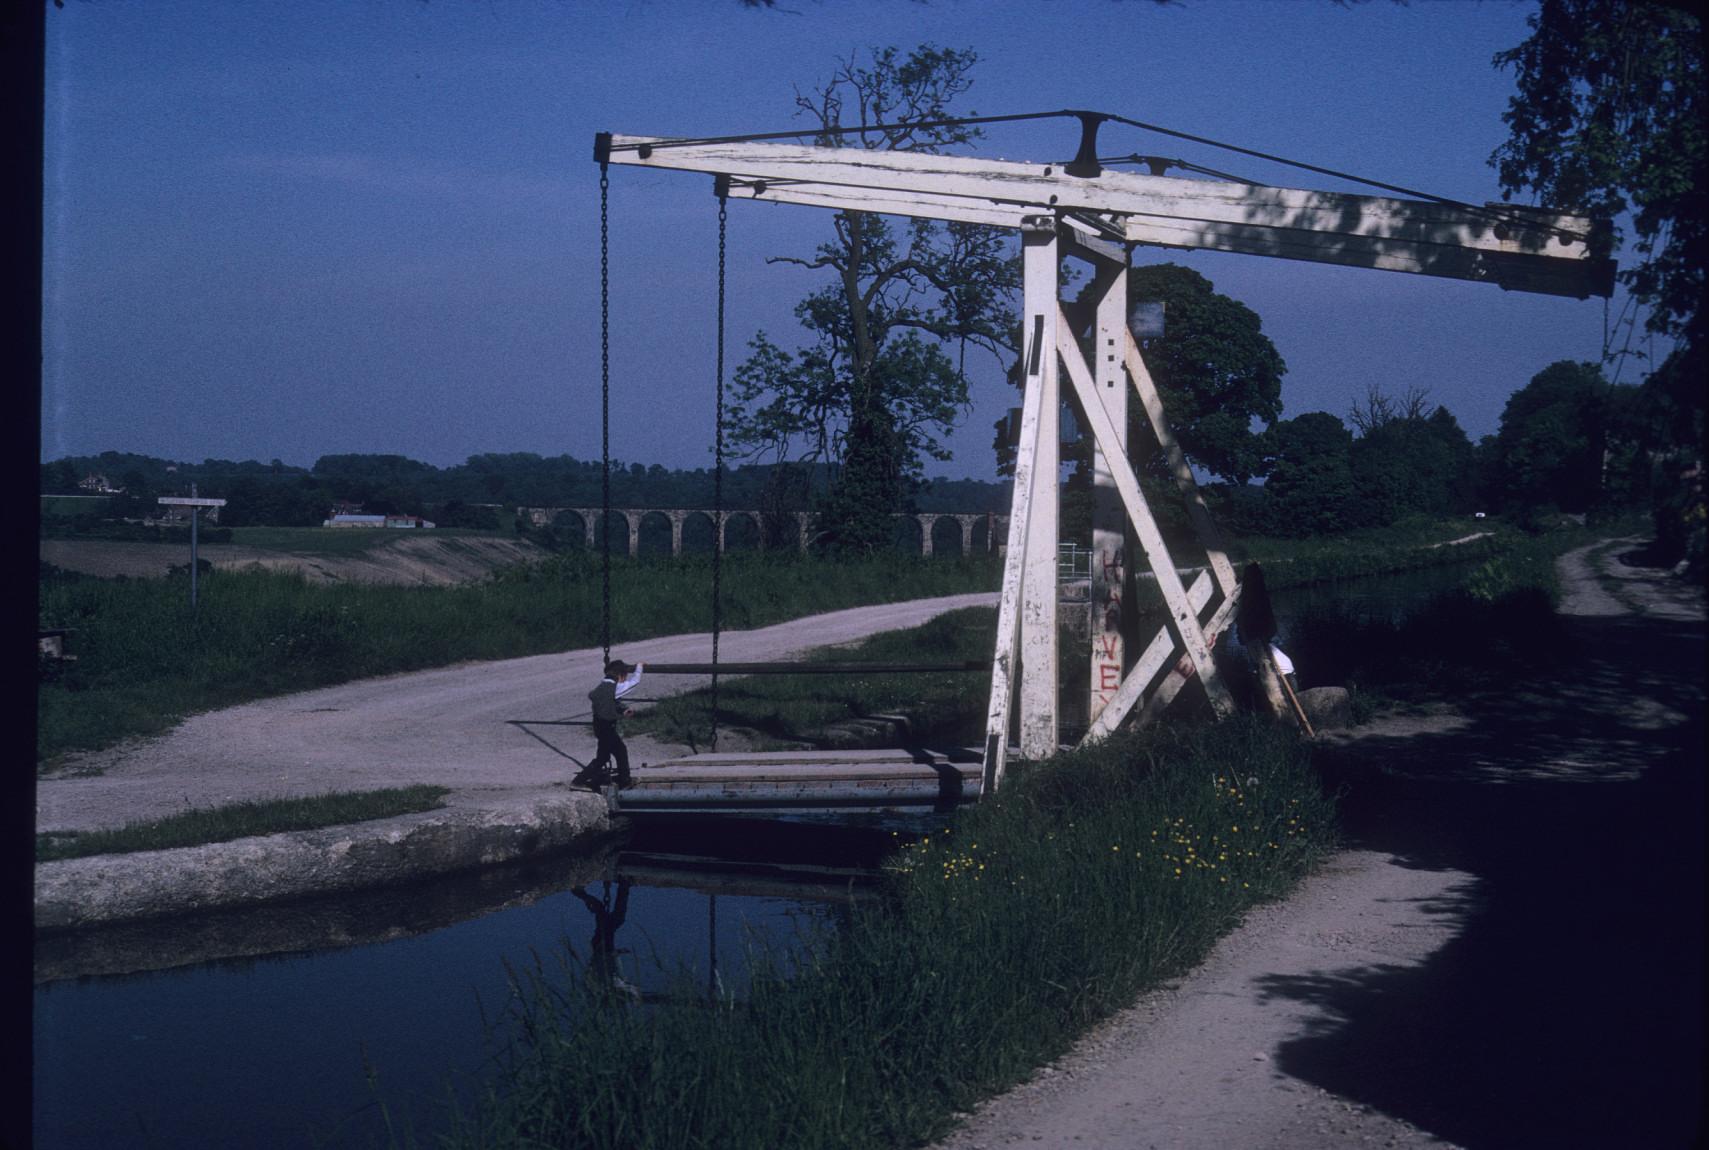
x: 145, y: 660
x: 1088, y: 879
x: 1500, y: 623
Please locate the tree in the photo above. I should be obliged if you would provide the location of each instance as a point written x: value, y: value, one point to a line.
x: 1378, y: 407
x: 876, y: 388
x: 1420, y: 463
x: 1608, y: 117
x: 1553, y: 432
x: 1214, y: 367
x: 1310, y: 484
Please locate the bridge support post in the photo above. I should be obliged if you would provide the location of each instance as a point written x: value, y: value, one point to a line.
x: 1028, y: 604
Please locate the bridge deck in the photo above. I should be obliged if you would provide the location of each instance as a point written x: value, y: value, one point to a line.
x: 778, y: 781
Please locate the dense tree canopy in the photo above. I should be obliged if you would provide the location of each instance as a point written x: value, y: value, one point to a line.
x: 1608, y: 118
x: 1310, y: 487
x: 1554, y: 433
x: 1215, y: 369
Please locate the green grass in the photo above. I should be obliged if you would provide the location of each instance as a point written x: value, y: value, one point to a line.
x: 1500, y: 624
x: 144, y: 660
x: 241, y: 820
x: 1089, y: 879
x: 1403, y: 546
x: 788, y: 710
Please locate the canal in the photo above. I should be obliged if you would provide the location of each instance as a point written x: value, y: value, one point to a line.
x: 271, y: 1027
x: 285, y: 1027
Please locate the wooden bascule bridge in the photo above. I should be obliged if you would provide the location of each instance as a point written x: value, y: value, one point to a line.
x: 1080, y: 210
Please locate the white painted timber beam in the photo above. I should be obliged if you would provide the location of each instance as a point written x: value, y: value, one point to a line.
x: 1041, y: 264
x: 1171, y: 685
x: 1184, y: 618
x: 1519, y: 248
x: 1111, y: 619
x: 1543, y: 274
x: 1203, y: 526
x: 1162, y: 649
x: 1005, y: 669
x: 883, y: 202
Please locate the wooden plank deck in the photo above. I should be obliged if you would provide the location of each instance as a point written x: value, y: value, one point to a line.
x: 779, y: 781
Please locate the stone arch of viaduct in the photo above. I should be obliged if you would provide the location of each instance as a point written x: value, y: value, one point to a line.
x: 996, y: 526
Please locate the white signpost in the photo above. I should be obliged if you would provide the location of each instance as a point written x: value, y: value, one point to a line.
x: 195, y: 506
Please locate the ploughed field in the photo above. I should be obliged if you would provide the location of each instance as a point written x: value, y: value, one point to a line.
x: 394, y: 557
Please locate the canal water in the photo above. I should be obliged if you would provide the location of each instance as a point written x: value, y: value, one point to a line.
x: 271, y: 1027
x: 287, y: 1026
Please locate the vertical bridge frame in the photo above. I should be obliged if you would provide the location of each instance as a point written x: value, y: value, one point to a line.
x: 1082, y: 210
x: 1027, y: 612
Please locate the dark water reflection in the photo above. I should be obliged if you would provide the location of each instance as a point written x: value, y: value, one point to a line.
x: 260, y: 1029
x: 1370, y: 598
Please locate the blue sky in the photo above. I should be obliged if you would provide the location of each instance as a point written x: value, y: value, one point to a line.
x: 284, y: 230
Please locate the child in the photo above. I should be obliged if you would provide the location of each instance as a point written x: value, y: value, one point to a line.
x: 620, y: 679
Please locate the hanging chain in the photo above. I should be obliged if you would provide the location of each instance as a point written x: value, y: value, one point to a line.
x: 718, y: 476
x: 605, y: 405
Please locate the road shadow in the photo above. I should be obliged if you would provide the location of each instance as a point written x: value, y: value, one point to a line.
x: 1567, y: 1009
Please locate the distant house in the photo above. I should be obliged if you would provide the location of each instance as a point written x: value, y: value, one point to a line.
x: 349, y: 519
x: 99, y: 485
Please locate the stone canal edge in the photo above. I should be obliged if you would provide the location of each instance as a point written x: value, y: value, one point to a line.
x: 105, y: 889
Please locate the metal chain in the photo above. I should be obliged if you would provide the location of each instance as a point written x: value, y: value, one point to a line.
x: 718, y: 475
x: 605, y: 404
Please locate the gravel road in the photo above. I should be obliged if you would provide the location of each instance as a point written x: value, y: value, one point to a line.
x: 486, y: 730
x: 1509, y: 953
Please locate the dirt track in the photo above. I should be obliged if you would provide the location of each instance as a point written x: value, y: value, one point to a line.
x: 1509, y: 954
x: 490, y: 731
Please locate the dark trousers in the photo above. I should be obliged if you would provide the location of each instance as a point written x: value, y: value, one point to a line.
x: 610, y: 747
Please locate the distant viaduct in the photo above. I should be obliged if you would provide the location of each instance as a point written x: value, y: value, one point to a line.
x: 939, y: 530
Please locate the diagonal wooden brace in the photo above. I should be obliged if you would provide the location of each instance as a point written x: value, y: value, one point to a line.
x: 1172, y: 683
x: 1209, y: 538
x: 1183, y: 619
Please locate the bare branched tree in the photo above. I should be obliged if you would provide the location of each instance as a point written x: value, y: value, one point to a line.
x: 1379, y: 408
x: 876, y: 390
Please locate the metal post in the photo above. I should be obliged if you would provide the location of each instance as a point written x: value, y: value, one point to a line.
x: 195, y: 503
x: 193, y: 517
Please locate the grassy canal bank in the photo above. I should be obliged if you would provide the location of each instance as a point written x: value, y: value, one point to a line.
x: 1089, y: 879
x: 1003, y: 936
